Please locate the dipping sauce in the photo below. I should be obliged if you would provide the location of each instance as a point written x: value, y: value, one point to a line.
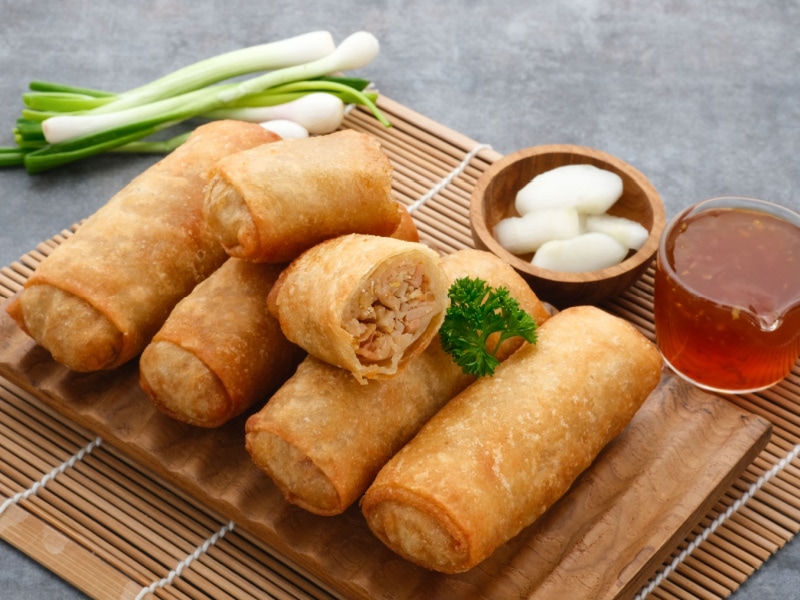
x: 727, y: 294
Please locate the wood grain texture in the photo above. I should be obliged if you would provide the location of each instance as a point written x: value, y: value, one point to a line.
x: 603, y: 540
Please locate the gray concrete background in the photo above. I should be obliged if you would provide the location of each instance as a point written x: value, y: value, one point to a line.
x: 702, y: 97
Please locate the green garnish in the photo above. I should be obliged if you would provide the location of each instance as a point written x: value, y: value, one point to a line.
x: 476, y: 312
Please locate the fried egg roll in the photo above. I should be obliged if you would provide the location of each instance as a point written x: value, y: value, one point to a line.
x: 322, y: 437
x: 363, y: 303
x: 271, y: 203
x: 100, y: 296
x: 505, y: 449
x: 219, y: 350
x: 406, y: 227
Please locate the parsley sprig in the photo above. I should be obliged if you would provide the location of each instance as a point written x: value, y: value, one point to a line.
x: 477, y: 311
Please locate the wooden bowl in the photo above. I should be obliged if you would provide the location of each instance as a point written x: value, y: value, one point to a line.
x: 493, y: 200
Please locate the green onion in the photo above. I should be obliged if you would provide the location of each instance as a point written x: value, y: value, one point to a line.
x: 67, y: 128
x: 47, y: 86
x: 12, y: 157
x: 29, y: 133
x: 62, y: 123
x: 354, y: 52
x: 276, y: 55
x: 316, y: 112
x: 56, y: 155
x: 55, y: 102
x: 154, y: 147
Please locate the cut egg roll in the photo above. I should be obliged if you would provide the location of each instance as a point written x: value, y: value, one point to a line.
x: 322, y: 437
x: 219, y: 351
x: 271, y: 203
x: 505, y: 449
x: 100, y: 296
x: 364, y: 303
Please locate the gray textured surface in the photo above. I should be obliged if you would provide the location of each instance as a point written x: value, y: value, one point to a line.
x: 702, y: 97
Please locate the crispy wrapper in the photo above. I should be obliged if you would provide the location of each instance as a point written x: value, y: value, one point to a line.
x: 406, y: 227
x: 365, y: 303
x: 98, y: 299
x: 220, y: 350
x: 505, y: 449
x: 323, y: 437
x: 270, y: 204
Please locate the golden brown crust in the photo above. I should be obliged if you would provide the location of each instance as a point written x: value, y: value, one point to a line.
x: 133, y: 259
x: 181, y: 386
x: 341, y: 432
x: 226, y: 214
x: 323, y: 437
x: 321, y: 297
x: 406, y: 228
x: 220, y: 350
x: 300, y: 480
x: 52, y: 315
x: 421, y: 530
x: 505, y: 449
x: 271, y: 203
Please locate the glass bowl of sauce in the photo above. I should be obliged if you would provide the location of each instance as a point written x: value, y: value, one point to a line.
x: 727, y: 294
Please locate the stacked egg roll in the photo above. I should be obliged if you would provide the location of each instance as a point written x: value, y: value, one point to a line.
x: 99, y: 297
x: 269, y: 204
x: 322, y: 437
x: 220, y: 350
x: 504, y: 450
x: 365, y: 303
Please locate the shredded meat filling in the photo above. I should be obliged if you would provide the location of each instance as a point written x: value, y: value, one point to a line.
x: 391, y: 313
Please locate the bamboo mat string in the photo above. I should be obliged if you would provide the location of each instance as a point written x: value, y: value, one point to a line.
x: 176, y: 572
x: 460, y: 168
x: 724, y: 516
x: 51, y: 475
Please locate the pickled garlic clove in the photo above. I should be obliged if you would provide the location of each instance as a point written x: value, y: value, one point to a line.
x: 587, y: 188
x: 629, y: 233
x: 520, y: 235
x: 586, y: 252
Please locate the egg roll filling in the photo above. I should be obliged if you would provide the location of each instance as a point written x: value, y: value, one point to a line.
x: 388, y: 315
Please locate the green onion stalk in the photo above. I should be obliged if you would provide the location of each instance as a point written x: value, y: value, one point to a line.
x: 61, y: 124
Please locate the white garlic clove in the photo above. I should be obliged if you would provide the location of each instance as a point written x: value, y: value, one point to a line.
x: 520, y: 235
x: 586, y: 252
x: 587, y: 188
x: 629, y: 233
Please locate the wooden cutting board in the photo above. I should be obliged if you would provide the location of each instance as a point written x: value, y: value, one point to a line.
x: 620, y: 521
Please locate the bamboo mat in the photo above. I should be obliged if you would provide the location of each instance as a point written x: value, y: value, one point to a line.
x: 114, y: 529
